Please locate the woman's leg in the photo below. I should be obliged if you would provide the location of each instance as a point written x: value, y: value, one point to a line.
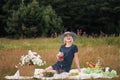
x: 48, y: 69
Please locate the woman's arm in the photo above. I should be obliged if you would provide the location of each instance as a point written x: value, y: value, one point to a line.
x: 77, y: 61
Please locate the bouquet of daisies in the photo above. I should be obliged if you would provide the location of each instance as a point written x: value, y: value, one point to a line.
x: 32, y: 59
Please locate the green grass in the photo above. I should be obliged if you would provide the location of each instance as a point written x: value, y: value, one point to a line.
x: 54, y: 43
x: 34, y: 44
x: 85, y: 41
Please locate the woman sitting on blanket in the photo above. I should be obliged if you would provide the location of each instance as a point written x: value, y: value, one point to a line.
x: 67, y: 52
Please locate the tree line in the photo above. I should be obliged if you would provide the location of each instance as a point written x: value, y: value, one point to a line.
x: 37, y: 18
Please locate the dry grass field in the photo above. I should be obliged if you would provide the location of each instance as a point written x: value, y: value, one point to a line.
x: 90, y: 49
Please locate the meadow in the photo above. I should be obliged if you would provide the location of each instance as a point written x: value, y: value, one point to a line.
x: 90, y: 49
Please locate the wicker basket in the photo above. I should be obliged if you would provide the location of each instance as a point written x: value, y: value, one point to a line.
x: 27, y: 70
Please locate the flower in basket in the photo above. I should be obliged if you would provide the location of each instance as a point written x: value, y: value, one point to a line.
x: 32, y: 59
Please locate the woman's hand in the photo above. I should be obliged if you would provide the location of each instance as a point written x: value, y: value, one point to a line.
x: 60, y: 56
x: 41, y: 71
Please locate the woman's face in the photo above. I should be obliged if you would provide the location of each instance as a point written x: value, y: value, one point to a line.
x: 68, y: 38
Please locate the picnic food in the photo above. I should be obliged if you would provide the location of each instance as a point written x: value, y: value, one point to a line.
x: 73, y: 73
x: 90, y: 64
x: 48, y: 74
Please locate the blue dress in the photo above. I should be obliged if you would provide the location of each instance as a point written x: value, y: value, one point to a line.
x: 65, y: 65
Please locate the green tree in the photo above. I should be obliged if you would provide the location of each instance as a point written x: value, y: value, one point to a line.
x: 33, y: 20
x: 2, y: 19
x: 6, y: 9
x: 92, y: 16
x: 51, y: 22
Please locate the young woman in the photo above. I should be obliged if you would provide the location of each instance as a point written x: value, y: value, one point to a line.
x: 68, y: 51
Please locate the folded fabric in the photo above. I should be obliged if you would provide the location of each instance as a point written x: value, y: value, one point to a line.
x: 17, y: 76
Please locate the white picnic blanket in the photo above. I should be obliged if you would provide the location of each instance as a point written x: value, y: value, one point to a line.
x: 81, y: 75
